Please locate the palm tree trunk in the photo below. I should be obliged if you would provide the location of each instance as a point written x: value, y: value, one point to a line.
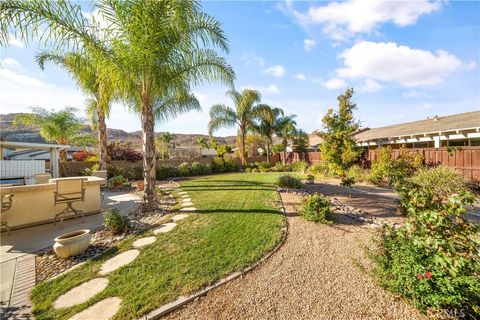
x: 267, y: 146
x: 243, y: 155
x: 148, y: 141
x: 102, y: 140
x: 285, y: 143
x: 63, y: 155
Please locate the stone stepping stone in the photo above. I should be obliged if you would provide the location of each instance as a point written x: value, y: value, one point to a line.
x: 81, y: 294
x: 188, y: 209
x: 179, y: 217
x: 143, y: 242
x: 185, y: 196
x: 186, y: 200
x: 164, y: 228
x: 187, y: 204
x: 102, y: 310
x: 182, y: 193
x: 118, y: 261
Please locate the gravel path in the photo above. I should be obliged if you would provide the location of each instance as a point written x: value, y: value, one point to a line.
x: 314, y: 275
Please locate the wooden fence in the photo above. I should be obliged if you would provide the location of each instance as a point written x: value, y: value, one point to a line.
x: 466, y: 160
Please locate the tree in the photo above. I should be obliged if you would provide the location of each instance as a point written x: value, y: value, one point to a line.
x: 61, y: 127
x: 163, y: 141
x: 285, y: 128
x: 243, y: 116
x: 152, y: 49
x: 339, y: 149
x: 266, y: 126
x: 300, y: 141
x: 202, y: 143
x: 95, y: 82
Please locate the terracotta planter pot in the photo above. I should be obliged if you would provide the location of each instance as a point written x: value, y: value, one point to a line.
x: 72, y: 243
x: 140, y: 185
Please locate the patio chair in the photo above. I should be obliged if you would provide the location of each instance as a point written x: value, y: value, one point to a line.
x: 69, y: 191
x: 6, y: 205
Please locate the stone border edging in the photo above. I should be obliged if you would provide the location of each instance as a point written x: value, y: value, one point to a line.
x: 181, y: 301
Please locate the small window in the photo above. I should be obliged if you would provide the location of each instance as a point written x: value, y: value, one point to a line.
x: 475, y: 142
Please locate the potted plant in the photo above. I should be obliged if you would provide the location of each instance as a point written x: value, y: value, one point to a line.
x: 72, y: 243
x: 140, y: 185
x: 96, y: 172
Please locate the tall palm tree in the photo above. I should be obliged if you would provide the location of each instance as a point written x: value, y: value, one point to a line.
x: 61, y: 127
x: 285, y: 128
x: 95, y: 82
x: 243, y: 116
x: 266, y: 126
x: 152, y: 48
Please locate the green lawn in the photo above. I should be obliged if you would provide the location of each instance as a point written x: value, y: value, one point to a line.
x: 238, y: 222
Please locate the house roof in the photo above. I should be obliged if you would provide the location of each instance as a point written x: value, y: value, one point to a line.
x: 314, y: 140
x: 467, y: 120
x: 28, y: 145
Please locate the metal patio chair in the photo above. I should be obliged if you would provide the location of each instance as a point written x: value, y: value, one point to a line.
x: 69, y: 191
x: 6, y: 205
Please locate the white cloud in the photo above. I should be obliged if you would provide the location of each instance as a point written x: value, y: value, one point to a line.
x: 251, y: 58
x: 308, y: 44
x: 424, y: 106
x: 300, y: 76
x: 472, y: 65
x: 334, y: 83
x: 269, y: 89
x: 390, y: 62
x: 370, y: 85
x: 413, y: 94
x: 10, y: 63
x: 20, y: 92
x: 341, y: 20
x: 276, y: 71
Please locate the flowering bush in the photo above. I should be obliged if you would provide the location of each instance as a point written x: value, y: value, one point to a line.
x: 82, y: 155
x: 316, y: 208
x: 434, y: 259
x: 117, y: 151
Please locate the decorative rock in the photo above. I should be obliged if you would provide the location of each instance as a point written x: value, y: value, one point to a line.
x: 189, y: 209
x: 118, y: 261
x: 143, y: 242
x: 81, y: 294
x: 164, y: 228
x: 187, y: 204
x: 179, y: 217
x: 104, y: 309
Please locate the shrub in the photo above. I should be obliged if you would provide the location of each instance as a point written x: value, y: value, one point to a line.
x: 300, y: 166
x: 93, y: 158
x: 357, y: 173
x: 434, y: 259
x: 218, y: 164
x: 316, y: 208
x: 196, y: 168
x: 263, y: 166
x: 347, y: 182
x: 116, y: 151
x: 231, y: 166
x: 134, y: 173
x: 280, y: 167
x: 82, y: 155
x: 319, y: 169
x: 184, y: 169
x: 165, y: 171
x: 114, y: 222
x: 116, y: 181
x: 289, y: 182
x: 206, y: 168
x: 114, y: 171
x: 430, y: 188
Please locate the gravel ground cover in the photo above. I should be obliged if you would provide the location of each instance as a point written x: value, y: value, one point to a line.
x: 320, y: 272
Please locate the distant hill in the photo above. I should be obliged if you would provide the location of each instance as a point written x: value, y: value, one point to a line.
x: 26, y: 134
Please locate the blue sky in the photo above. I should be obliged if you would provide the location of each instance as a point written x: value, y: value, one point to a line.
x: 406, y: 61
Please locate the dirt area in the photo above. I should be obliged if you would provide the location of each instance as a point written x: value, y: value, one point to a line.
x: 318, y: 273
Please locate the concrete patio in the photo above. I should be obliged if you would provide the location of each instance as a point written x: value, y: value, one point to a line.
x: 17, y: 250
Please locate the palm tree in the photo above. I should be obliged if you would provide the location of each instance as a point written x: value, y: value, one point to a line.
x: 163, y: 141
x: 152, y: 49
x: 94, y: 81
x: 202, y: 143
x: 285, y: 128
x: 245, y: 112
x: 61, y: 127
x: 266, y: 126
